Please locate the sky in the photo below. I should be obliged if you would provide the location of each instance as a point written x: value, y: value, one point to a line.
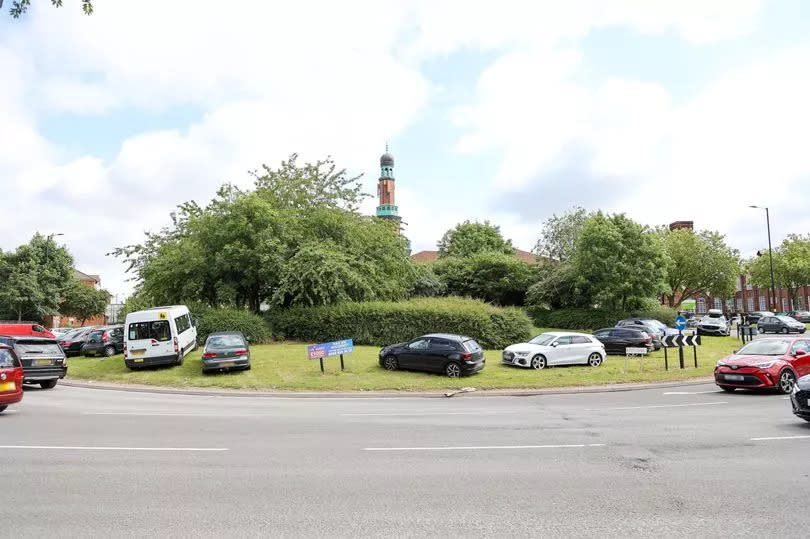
x: 508, y: 112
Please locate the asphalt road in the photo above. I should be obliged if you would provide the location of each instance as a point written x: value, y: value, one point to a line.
x: 687, y: 461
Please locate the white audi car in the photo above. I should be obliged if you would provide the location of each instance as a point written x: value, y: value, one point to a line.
x: 556, y: 348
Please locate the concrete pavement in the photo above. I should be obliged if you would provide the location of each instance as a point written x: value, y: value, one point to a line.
x: 658, y: 462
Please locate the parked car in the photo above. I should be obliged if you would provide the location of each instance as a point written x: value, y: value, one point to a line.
x: 59, y: 332
x: 42, y: 359
x: 800, y: 398
x: 767, y: 363
x: 617, y: 340
x: 754, y: 317
x: 651, y: 327
x: 780, y: 324
x: 225, y: 351
x: 11, y: 377
x: 556, y: 348
x: 73, y: 341
x: 159, y: 336
x: 714, y: 325
x: 453, y: 355
x: 800, y: 316
x: 29, y: 329
x: 106, y: 341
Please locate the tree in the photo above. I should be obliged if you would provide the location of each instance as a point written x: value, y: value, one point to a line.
x: 33, y: 279
x: 83, y: 301
x: 559, y: 236
x: 469, y: 238
x: 619, y: 261
x: 491, y: 276
x: 555, y: 286
x: 426, y: 282
x: 699, y: 263
x: 791, y: 266
x: 20, y: 7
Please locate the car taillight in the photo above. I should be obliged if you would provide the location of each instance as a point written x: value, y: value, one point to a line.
x: 176, y: 347
x: 241, y: 352
x: 67, y: 343
x: 125, y: 350
x: 647, y: 339
x: 466, y: 357
x: 209, y: 355
x: 105, y: 337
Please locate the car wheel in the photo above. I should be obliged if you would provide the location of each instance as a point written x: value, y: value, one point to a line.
x: 784, y: 330
x: 761, y: 331
x: 786, y: 381
x: 180, y: 358
x: 109, y: 351
x: 728, y: 389
x: 539, y: 362
x: 48, y: 384
x: 390, y: 363
x: 453, y: 370
x: 248, y: 367
x: 595, y: 359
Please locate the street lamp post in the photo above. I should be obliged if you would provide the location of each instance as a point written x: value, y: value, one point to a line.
x: 774, y: 305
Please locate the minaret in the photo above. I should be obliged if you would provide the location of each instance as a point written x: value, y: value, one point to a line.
x: 387, y: 208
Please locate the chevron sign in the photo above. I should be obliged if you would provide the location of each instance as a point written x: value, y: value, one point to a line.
x: 675, y: 341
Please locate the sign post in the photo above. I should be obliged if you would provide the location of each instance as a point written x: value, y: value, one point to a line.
x: 671, y: 341
x: 329, y: 349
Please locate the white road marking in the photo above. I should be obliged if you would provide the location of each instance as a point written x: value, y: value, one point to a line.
x: 478, y: 447
x: 657, y: 406
x: 779, y: 438
x: 159, y: 414
x: 102, y: 448
x: 690, y: 392
x: 394, y: 414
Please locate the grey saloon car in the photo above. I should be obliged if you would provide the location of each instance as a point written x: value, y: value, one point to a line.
x: 780, y: 324
x: 226, y: 351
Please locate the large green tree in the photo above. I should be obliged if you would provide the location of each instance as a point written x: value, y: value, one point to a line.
x: 699, y: 262
x: 495, y: 277
x: 558, y: 238
x: 470, y: 238
x: 33, y: 279
x: 619, y: 261
x: 20, y: 7
x: 295, y: 239
x: 82, y: 301
x: 791, y: 266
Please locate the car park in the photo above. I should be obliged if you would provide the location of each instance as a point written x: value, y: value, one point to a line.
x: 618, y: 340
x: 453, y: 355
x: 800, y: 316
x: 73, y: 341
x: 43, y: 360
x: 714, y: 325
x: 226, y: 351
x: 556, y: 348
x: 28, y: 329
x: 765, y: 363
x: 159, y: 336
x: 11, y: 377
x: 104, y: 341
x: 651, y: 327
x: 780, y: 324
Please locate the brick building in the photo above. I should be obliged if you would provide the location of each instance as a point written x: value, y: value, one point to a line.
x: 58, y: 320
x: 423, y: 257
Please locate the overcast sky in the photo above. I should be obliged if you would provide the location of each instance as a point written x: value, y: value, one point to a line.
x: 508, y: 111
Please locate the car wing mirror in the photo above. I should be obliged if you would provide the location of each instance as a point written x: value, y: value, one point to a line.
x: 798, y: 353
x: 555, y: 344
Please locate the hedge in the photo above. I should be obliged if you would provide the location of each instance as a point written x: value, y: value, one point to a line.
x: 595, y: 318
x: 210, y: 320
x: 379, y: 323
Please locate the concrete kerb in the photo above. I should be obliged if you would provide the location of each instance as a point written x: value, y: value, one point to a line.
x: 381, y: 394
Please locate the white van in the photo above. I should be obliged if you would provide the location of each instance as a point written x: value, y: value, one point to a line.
x: 159, y: 336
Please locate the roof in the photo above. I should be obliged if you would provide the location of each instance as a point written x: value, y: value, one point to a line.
x: 566, y: 333
x: 452, y: 336
x: 80, y: 275
x: 218, y: 333
x: 431, y: 256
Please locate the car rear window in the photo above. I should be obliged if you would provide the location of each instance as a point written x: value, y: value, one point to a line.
x: 7, y: 359
x: 225, y: 341
x: 34, y: 348
x: 471, y: 346
x: 158, y: 330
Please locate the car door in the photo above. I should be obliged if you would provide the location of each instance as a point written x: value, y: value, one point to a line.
x: 411, y: 356
x: 581, y: 348
x: 801, y: 362
x: 117, y: 336
x: 438, y: 353
x: 562, y: 351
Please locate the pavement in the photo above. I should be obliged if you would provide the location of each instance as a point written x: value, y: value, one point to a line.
x: 673, y: 462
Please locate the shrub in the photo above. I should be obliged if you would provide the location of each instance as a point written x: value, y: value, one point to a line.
x: 596, y: 318
x: 379, y: 323
x: 210, y: 320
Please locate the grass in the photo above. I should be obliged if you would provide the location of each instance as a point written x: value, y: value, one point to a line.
x: 285, y: 367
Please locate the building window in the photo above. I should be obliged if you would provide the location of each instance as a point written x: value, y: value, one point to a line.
x: 750, y: 304
x: 785, y: 305
x: 701, y: 305
x: 800, y: 301
x: 748, y: 286
x: 739, y: 304
x: 718, y: 303
x: 763, y: 303
x: 730, y: 305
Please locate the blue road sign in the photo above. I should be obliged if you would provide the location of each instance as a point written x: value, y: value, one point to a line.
x: 328, y: 349
x: 680, y: 323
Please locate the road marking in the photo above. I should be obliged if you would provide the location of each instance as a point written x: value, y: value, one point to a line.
x: 779, y: 438
x: 484, y: 412
x: 657, y: 406
x: 102, y: 448
x: 158, y: 414
x: 478, y: 447
x: 690, y: 392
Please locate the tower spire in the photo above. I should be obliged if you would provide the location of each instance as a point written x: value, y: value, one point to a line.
x: 387, y: 208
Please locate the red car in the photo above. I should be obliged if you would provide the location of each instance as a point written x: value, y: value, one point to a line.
x: 767, y: 363
x: 27, y: 329
x: 11, y: 377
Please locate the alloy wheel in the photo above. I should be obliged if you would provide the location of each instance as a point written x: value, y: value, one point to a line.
x: 538, y: 362
x: 390, y: 363
x: 594, y: 360
x: 786, y: 381
x: 453, y: 370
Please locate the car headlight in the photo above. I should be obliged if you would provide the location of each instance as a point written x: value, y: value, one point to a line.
x: 720, y: 364
x: 764, y: 364
x: 521, y: 354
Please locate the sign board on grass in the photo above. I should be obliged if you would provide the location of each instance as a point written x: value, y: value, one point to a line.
x: 329, y: 349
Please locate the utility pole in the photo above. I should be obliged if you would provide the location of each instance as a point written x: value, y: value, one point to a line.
x: 774, y: 305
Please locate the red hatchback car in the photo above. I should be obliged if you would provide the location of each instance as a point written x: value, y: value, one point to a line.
x: 766, y: 363
x: 11, y: 377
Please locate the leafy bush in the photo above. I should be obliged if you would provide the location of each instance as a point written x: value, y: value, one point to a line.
x: 210, y: 320
x: 596, y: 318
x: 495, y: 277
x: 379, y: 323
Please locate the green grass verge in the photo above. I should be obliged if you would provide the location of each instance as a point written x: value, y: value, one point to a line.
x: 285, y: 367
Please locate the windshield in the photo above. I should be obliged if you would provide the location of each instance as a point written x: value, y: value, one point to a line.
x: 27, y: 348
x: 543, y: 339
x: 786, y: 319
x: 225, y: 341
x: 471, y: 346
x: 766, y: 347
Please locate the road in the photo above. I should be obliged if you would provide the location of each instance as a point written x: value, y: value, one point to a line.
x: 687, y: 461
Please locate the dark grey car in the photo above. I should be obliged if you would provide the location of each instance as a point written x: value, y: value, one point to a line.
x: 225, y: 351
x: 780, y: 324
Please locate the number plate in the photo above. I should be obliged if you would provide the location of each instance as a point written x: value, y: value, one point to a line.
x: 139, y: 360
x: 228, y: 364
x: 40, y: 362
x: 137, y: 352
x: 735, y: 377
x: 8, y: 386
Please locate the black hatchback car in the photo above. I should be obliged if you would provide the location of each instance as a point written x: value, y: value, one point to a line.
x: 453, y: 355
x: 104, y: 341
x: 73, y: 341
x: 780, y: 324
x: 617, y: 340
x: 42, y: 359
x: 800, y: 398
